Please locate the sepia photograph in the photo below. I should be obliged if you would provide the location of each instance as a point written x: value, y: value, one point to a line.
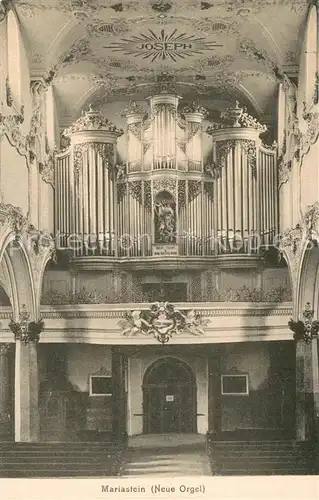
x: 159, y: 247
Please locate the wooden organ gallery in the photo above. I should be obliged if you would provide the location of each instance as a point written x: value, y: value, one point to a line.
x: 166, y: 200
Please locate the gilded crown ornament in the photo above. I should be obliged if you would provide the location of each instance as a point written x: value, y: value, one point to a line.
x: 305, y: 329
x: 92, y: 120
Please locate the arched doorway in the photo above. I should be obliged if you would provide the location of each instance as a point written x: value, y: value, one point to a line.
x: 169, y: 397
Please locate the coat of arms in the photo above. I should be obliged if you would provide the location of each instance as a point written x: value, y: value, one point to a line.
x: 162, y: 320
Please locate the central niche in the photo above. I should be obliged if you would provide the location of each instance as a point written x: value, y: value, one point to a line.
x: 165, y: 218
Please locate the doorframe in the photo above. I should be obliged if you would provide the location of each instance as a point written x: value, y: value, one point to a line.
x: 146, y: 387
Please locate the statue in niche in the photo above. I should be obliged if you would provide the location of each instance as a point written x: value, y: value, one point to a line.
x: 165, y: 221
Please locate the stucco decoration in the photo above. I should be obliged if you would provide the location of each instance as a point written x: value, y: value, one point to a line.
x: 162, y: 321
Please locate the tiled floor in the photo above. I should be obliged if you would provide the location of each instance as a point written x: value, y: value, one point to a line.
x: 165, y: 440
x: 167, y: 455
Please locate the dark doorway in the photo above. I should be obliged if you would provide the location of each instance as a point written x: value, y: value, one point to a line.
x: 169, y: 398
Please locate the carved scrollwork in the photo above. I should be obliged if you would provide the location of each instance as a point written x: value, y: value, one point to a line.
x: 192, y: 129
x: 121, y: 191
x: 181, y: 194
x: 25, y: 330
x: 158, y: 108
x: 223, y: 148
x: 194, y: 189
x: 135, y: 129
x: 17, y: 221
x: 249, y: 147
x: 135, y: 190
x: 148, y: 195
x: 165, y: 184
x: 105, y: 151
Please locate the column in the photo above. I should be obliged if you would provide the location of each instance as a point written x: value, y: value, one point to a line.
x: 27, y: 422
x: 214, y: 392
x: 304, y: 395
x: 5, y: 392
x: 119, y: 393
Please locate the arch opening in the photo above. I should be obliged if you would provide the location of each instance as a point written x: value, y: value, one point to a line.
x: 169, y: 398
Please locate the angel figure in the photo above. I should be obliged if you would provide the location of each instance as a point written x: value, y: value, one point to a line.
x: 192, y: 322
x: 134, y: 324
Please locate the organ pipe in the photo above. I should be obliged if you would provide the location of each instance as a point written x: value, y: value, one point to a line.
x: 221, y: 207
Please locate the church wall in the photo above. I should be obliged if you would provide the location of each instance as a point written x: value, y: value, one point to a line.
x: 239, y: 412
x: 85, y: 360
x: 309, y: 178
x: 14, y: 177
x: 269, y: 404
x: 137, y: 367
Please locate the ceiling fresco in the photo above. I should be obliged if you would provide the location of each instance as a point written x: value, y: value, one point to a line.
x: 97, y: 51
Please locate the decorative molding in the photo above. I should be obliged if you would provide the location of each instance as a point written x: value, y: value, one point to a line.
x: 4, y: 9
x: 47, y: 169
x: 194, y: 189
x: 181, y: 194
x: 306, y: 329
x: 133, y: 109
x: 192, y: 129
x: 223, y: 148
x: 25, y: 330
x: 9, y: 96
x: 104, y: 149
x: 148, y: 195
x: 92, y: 120
x: 14, y: 216
x: 135, y: 129
x: 121, y: 191
x: 161, y: 6
x: 310, y: 136
x: 164, y: 184
x: 249, y: 147
x: 293, y: 240
x: 10, y: 127
x: 194, y: 107
x: 162, y: 321
x: 135, y: 190
x: 236, y: 116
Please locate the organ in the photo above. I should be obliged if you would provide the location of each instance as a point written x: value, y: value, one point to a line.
x: 166, y: 200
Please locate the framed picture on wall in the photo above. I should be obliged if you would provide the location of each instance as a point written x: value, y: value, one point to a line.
x: 100, y: 385
x: 234, y: 385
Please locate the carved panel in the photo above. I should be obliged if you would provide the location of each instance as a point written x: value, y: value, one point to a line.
x: 135, y: 190
x: 165, y: 184
x: 181, y: 194
x: 148, y: 195
x: 194, y: 189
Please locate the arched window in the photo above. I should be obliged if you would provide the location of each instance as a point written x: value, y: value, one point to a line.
x: 14, y: 59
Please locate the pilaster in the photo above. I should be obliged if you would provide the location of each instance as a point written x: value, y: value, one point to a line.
x: 5, y: 392
x: 27, y: 334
